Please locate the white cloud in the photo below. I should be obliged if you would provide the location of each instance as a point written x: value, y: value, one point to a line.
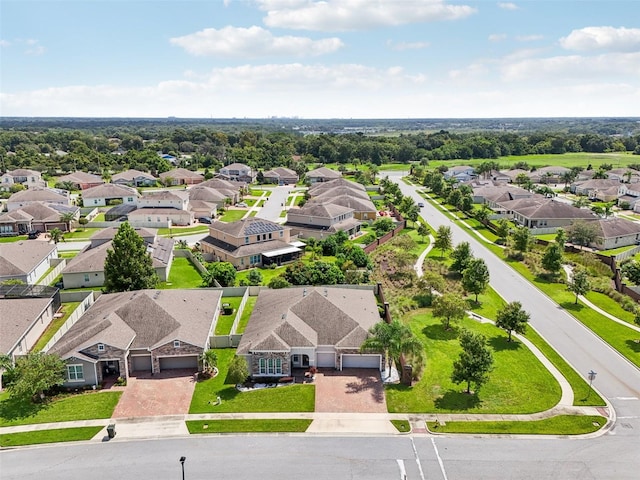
x: 508, y: 6
x: 402, y: 46
x: 603, y: 38
x: 35, y: 50
x: 497, y: 37
x: 252, y: 42
x: 529, y: 38
x: 343, y: 15
x: 4, y: 43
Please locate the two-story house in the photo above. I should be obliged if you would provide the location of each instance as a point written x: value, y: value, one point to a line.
x: 321, y: 220
x: 163, y: 206
x: 237, y: 172
x: 109, y: 193
x: 250, y: 242
x: 21, y: 176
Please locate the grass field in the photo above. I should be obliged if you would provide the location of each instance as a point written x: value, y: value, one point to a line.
x: 57, y: 435
x: 225, y: 322
x: 83, y: 406
x: 232, y: 215
x: 246, y: 314
x: 177, y: 231
x: 566, y: 160
x: 66, y: 309
x: 80, y: 234
x: 183, y: 274
x: 17, y: 238
x: 559, y: 425
x: 293, y: 398
x: 248, y: 426
x: 519, y: 383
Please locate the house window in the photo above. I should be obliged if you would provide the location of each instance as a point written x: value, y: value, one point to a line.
x: 296, y: 358
x: 281, y: 233
x: 75, y: 373
x: 101, y: 347
x: 176, y: 344
x: 270, y: 366
x: 246, y: 240
x: 86, y: 277
x: 129, y: 199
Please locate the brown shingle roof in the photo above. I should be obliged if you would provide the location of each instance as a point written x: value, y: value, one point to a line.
x: 38, y: 195
x: 130, y: 175
x: 338, y: 182
x: 81, y: 177
x: 178, y: 173
x: 323, y: 172
x: 110, y: 190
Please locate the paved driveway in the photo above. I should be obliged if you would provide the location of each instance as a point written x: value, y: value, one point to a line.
x: 353, y: 390
x: 168, y: 393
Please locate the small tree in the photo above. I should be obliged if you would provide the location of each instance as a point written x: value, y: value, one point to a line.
x: 631, y: 270
x: 278, y: 282
x: 475, y: 277
x: 254, y: 277
x: 583, y: 233
x: 432, y: 281
x: 392, y: 339
x: 56, y: 235
x: 128, y: 265
x: 502, y: 229
x: 223, y: 273
x: 579, y: 283
x: 475, y: 361
x: 443, y: 239
x: 423, y: 230
x: 552, y: 259
x: 522, y: 240
x: 512, y: 318
x: 83, y: 221
x: 449, y: 307
x: 238, y: 370
x: 209, y: 359
x: 35, y: 374
x: 67, y: 218
x: 461, y: 256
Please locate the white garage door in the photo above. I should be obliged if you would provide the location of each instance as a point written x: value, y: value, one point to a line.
x: 141, y: 363
x: 326, y: 359
x: 171, y: 363
x: 361, y: 361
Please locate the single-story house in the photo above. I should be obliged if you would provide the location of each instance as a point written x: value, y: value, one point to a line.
x: 37, y: 216
x: 105, y: 235
x: 551, y: 174
x: 209, y: 197
x: 615, y: 232
x: 140, y: 331
x: 250, y: 242
x: 107, y: 193
x: 86, y: 269
x: 81, y: 180
x: 627, y: 175
x: 586, y: 187
x: 281, y: 176
x: 329, y: 193
x: 363, y: 208
x: 319, y: 188
x: 322, y: 174
x: 27, y: 260
x: 181, y: 176
x: 229, y: 188
x: 22, y: 176
x: 321, y: 220
x: 461, y: 173
x: 160, y: 216
x: 38, y: 195
x: 513, y: 174
x: 304, y: 327
x: 237, y: 171
x: 134, y: 178
x: 542, y: 212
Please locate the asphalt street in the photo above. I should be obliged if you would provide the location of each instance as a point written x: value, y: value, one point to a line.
x: 616, y: 378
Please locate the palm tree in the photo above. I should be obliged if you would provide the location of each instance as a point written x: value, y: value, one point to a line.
x: 209, y: 360
x: 67, y: 218
x: 56, y: 235
x: 392, y: 339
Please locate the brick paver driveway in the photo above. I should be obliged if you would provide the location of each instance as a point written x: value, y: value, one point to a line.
x: 353, y: 390
x: 167, y: 393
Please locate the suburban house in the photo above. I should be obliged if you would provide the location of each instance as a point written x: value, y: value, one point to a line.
x: 322, y: 174
x: 81, y: 180
x: 141, y: 331
x: 627, y: 175
x: 329, y: 193
x: 22, y: 176
x: 238, y: 172
x: 134, y: 178
x: 87, y: 268
x: 513, y: 174
x: 542, y: 212
x: 160, y: 217
x: 181, y: 176
x: 26, y: 260
x: 109, y: 193
x: 281, y: 176
x: 250, y: 242
x: 552, y: 174
x: 204, y: 199
x: 320, y: 220
x: 461, y: 173
x: 37, y: 216
x: 177, y: 199
x: 363, y: 208
x: 615, y: 232
x: 492, y: 194
x: 627, y: 193
x: 306, y: 327
x: 588, y: 187
x: 229, y: 188
x: 163, y: 206
x: 320, y: 188
x: 37, y: 195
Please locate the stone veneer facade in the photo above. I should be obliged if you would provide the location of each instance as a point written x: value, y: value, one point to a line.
x: 109, y: 353
x: 168, y: 350
x: 255, y: 362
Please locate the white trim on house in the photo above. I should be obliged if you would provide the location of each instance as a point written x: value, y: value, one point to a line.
x: 74, y: 367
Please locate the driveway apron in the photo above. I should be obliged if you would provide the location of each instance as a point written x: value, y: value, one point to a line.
x: 350, y: 391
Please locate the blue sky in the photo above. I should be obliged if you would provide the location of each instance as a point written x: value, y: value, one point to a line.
x: 319, y: 59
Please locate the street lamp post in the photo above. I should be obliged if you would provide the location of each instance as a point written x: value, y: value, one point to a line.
x: 182, y: 459
x: 592, y: 376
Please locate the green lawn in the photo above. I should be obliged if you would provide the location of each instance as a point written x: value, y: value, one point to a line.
x: 177, y: 231
x: 48, y: 436
x: 99, y: 218
x: 559, y: 425
x: 248, y: 426
x: 403, y: 426
x: 267, y: 274
x: 616, y: 251
x: 183, y: 274
x: 66, y: 309
x: 565, y: 160
x: 80, y: 234
x: 17, y: 238
x: 68, y: 254
x: 293, y: 398
x: 246, y: 314
x: 609, y: 305
x: 225, y: 322
x: 232, y: 215
x: 256, y: 192
x: 82, y: 406
x: 519, y: 383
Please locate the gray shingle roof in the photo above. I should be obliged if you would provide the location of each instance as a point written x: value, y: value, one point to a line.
x: 321, y: 210
x: 280, y: 172
x: 317, y: 188
x: 38, y: 195
x: 179, y: 173
x: 247, y: 226
x: 357, y: 204
x: 110, y: 190
x: 337, y: 191
x: 130, y: 175
x: 546, y: 208
x: 617, y: 227
x: 323, y: 172
x: 310, y: 316
x: 81, y: 177
x: 16, y: 316
x: 207, y: 194
x: 22, y: 257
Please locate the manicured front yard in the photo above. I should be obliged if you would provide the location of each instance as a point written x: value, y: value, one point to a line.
x: 183, y: 274
x: 80, y: 234
x: 66, y: 309
x: 232, y: 215
x: 293, y: 398
x: 519, y: 383
x: 82, y: 406
x: 48, y: 436
x: 17, y: 238
x: 244, y: 426
x: 559, y: 425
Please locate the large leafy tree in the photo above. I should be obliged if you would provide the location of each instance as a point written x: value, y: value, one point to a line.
x: 36, y: 373
x: 579, y: 283
x: 552, y: 258
x: 128, y: 265
x: 224, y: 273
x: 392, y: 339
x: 443, y: 239
x: 449, y: 307
x: 512, y: 318
x: 583, y: 233
x: 238, y: 370
x: 475, y: 361
x: 475, y: 277
x: 461, y: 256
x: 502, y: 229
x: 522, y: 240
x: 631, y: 270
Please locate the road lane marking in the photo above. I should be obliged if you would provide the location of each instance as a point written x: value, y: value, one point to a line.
x: 415, y: 453
x: 625, y: 398
x: 403, y: 472
x: 435, y: 448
